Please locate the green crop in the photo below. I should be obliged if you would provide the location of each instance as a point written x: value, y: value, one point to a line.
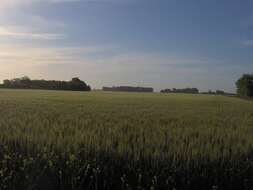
x: 102, y: 140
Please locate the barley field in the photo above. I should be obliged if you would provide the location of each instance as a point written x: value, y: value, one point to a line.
x: 124, y: 141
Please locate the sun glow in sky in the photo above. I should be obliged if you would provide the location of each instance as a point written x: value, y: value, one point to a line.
x: 158, y: 43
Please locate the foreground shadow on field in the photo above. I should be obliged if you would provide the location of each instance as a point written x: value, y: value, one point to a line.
x: 108, y: 171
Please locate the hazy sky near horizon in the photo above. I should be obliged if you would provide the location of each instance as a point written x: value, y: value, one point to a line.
x: 206, y: 44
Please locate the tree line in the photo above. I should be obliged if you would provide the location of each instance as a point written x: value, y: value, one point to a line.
x: 128, y: 89
x: 245, y: 85
x: 184, y: 90
x: 26, y: 83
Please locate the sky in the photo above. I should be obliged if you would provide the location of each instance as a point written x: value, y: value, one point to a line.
x: 207, y: 44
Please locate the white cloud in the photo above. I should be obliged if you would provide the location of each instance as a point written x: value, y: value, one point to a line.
x: 21, y: 54
x: 19, y: 34
x: 28, y: 26
x: 25, y: 25
x: 248, y: 43
x: 40, y: 22
x: 34, y: 56
x: 116, y: 67
x: 11, y: 3
x: 15, y: 3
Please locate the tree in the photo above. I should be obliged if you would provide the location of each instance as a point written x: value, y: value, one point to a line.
x: 245, y: 85
x: 183, y: 90
x: 77, y: 84
x: 25, y: 82
x: 7, y: 83
x: 220, y: 92
x: 76, y: 80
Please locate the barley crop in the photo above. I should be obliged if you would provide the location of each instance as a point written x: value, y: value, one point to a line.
x: 124, y: 141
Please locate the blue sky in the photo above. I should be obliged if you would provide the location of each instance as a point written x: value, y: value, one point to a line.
x: 206, y: 44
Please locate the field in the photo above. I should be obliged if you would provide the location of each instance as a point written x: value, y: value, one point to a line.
x: 103, y: 140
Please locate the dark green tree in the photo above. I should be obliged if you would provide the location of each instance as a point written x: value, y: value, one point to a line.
x: 26, y: 83
x: 6, y: 82
x: 245, y: 85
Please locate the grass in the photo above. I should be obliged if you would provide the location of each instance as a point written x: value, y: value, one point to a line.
x: 102, y: 140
